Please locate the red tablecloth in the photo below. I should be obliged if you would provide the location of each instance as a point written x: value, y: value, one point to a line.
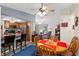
x: 54, y: 44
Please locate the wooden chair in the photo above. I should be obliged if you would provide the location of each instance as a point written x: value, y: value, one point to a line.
x: 45, y: 51
x: 73, y: 47
x: 36, y: 39
x: 54, y: 38
x: 33, y: 37
x: 48, y: 51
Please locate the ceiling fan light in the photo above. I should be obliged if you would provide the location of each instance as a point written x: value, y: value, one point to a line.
x: 44, y: 13
x: 44, y: 7
x: 40, y: 13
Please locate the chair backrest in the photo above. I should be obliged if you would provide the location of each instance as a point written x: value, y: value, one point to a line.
x: 45, y: 51
x: 23, y: 36
x: 49, y: 34
x: 12, y: 38
x: 36, y: 39
x: 54, y: 38
x: 9, y: 39
x: 74, y: 45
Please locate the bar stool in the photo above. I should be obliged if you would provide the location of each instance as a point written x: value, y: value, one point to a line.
x: 8, y: 42
x: 19, y: 44
x: 23, y: 38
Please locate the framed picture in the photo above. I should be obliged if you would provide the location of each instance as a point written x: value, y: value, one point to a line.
x: 65, y: 24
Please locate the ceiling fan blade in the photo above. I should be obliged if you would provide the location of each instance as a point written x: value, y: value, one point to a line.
x: 36, y: 12
x: 51, y: 10
x: 32, y: 9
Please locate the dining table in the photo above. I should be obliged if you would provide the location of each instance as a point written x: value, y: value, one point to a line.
x: 54, y: 44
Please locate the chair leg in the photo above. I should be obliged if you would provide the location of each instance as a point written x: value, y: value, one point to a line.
x: 4, y: 51
x: 16, y: 45
x: 21, y: 45
x: 25, y: 43
x: 9, y: 47
x: 13, y: 49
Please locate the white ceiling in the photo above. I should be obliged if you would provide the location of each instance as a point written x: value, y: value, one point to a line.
x: 27, y: 7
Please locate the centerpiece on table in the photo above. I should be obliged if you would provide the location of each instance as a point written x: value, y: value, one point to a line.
x: 50, y: 41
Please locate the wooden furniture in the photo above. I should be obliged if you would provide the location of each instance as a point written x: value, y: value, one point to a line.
x: 28, y: 31
x: 35, y: 34
x: 55, y: 45
x: 53, y: 38
x: 73, y: 48
x: 8, y: 42
x: 7, y: 24
x: 17, y: 24
x: 45, y: 51
x: 36, y: 39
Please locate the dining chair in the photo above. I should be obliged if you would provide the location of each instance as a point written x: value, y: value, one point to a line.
x: 45, y: 51
x: 78, y: 50
x: 33, y: 37
x: 8, y: 42
x: 48, y: 51
x: 36, y: 39
x: 41, y: 51
x: 54, y: 38
x: 73, y: 47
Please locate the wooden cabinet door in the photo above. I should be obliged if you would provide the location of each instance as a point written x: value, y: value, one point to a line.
x: 7, y: 24
x: 28, y: 32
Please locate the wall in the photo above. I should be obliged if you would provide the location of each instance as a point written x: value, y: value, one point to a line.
x: 67, y: 33
x: 76, y: 13
x: 67, y: 14
x: 0, y: 30
x: 51, y: 19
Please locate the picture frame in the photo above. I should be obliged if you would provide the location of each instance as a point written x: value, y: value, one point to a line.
x: 64, y: 24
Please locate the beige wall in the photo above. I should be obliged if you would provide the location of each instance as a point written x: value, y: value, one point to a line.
x: 0, y: 30
x: 69, y: 16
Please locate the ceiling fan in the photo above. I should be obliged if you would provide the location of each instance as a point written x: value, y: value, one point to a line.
x: 43, y: 10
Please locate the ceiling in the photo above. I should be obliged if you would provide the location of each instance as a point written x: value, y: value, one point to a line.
x: 28, y: 7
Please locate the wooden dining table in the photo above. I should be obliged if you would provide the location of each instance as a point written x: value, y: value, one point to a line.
x: 57, y: 46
